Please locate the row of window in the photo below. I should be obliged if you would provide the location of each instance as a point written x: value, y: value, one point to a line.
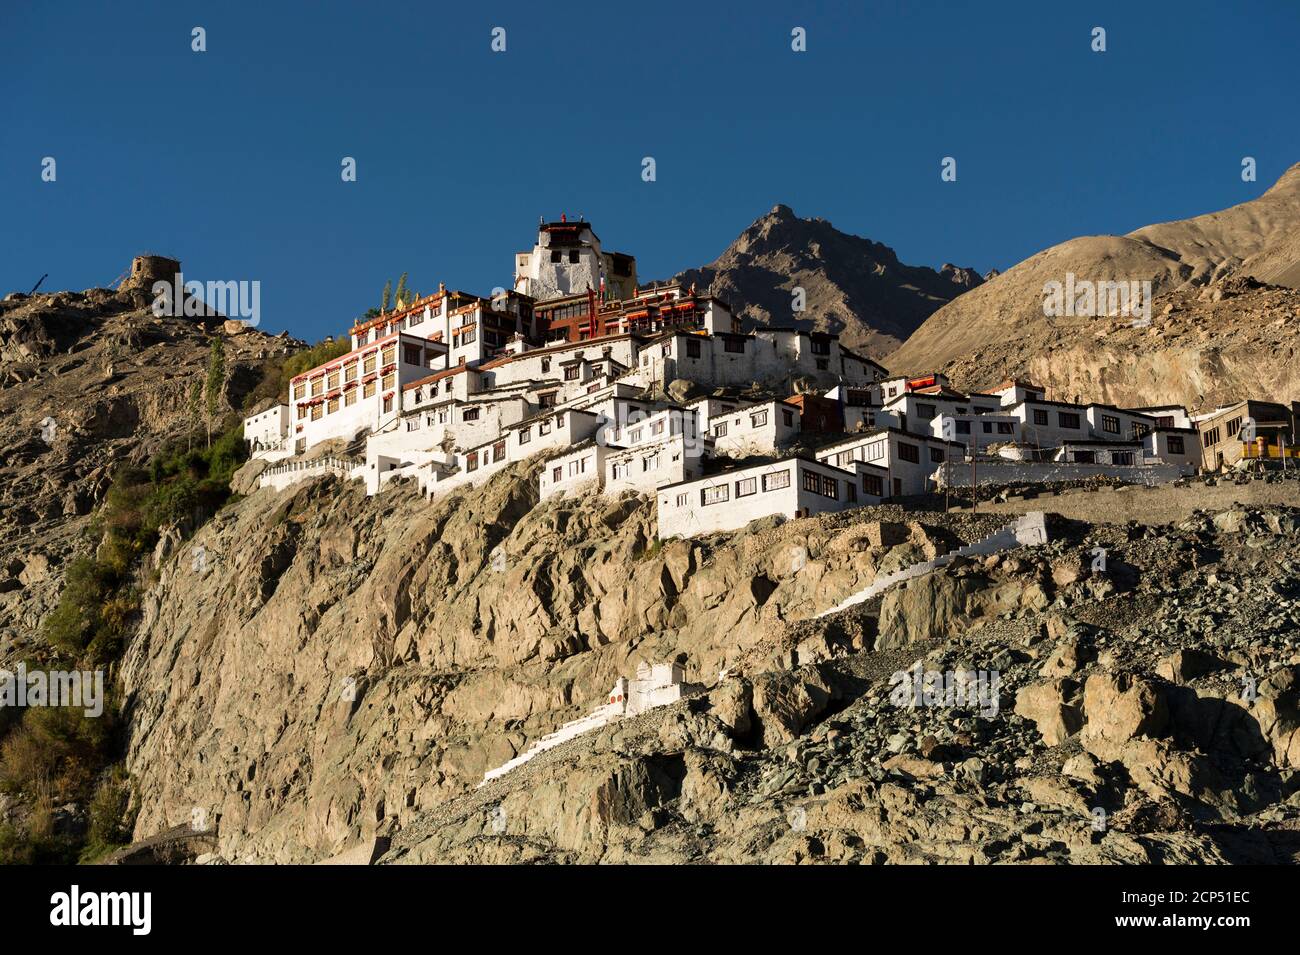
x: 383, y: 331
x: 1002, y: 427
x: 577, y: 468
x: 1090, y: 457
x: 720, y: 493
x: 495, y: 453
x: 756, y: 420
x: 349, y: 398
x: 814, y: 482
x: 543, y: 429
x: 619, y: 470
x: 330, y: 381
x: 1064, y: 419
x: 827, y: 486
x: 876, y: 450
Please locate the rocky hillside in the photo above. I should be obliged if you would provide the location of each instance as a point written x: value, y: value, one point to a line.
x: 1146, y: 713
x: 1206, y: 346
x: 1003, y: 320
x: 853, y: 286
x: 89, y: 380
x: 347, y: 667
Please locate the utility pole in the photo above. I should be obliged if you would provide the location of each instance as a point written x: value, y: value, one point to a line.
x: 974, y: 487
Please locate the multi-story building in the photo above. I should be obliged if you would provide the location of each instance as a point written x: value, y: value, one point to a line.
x: 741, y: 428
x: 977, y: 433
x: 1245, y: 429
x: 905, y: 460
x: 359, y: 390
x: 586, y: 316
x: 267, y: 430
x: 794, y: 487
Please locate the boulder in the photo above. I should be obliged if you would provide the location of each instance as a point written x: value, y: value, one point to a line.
x: 1052, y: 706
x: 925, y: 608
x: 885, y: 533
x: 1120, y: 707
x: 245, y: 480
x: 681, y: 389
x: 1067, y: 570
x: 787, y: 703
x: 1066, y: 660
x: 731, y: 701
x: 1183, y: 665
x: 35, y: 567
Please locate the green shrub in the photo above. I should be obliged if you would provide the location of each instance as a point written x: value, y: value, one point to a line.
x: 56, y: 749
x: 112, y: 816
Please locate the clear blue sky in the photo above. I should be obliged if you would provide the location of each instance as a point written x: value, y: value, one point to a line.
x: 230, y: 159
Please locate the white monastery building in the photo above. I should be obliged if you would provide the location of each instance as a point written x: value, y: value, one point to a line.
x: 573, y: 369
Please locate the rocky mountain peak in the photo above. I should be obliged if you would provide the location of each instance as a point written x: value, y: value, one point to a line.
x: 851, y: 285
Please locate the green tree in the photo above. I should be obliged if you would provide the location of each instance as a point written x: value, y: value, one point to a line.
x: 195, y: 409
x: 216, y: 379
x: 388, y: 296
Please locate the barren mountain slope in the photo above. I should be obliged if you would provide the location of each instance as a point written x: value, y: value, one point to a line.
x: 1260, y: 238
x: 235, y: 680
x: 1124, y: 734
x: 1206, y: 346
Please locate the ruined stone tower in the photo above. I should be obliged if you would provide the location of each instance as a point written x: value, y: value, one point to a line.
x: 147, y: 269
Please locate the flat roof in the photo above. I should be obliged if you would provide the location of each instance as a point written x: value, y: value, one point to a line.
x: 437, y: 376
x: 1044, y: 401
x: 549, y: 413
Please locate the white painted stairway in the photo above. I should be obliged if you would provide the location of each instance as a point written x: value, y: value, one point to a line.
x: 570, y: 730
x: 1027, y: 529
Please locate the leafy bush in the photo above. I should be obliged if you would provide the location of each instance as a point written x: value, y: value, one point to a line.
x: 76, y: 620
x: 56, y: 749
x: 36, y: 843
x: 180, y: 487
x: 112, y: 816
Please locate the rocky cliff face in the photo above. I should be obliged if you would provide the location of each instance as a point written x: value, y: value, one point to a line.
x: 853, y: 286
x: 1000, y: 327
x: 348, y: 663
x: 88, y: 381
